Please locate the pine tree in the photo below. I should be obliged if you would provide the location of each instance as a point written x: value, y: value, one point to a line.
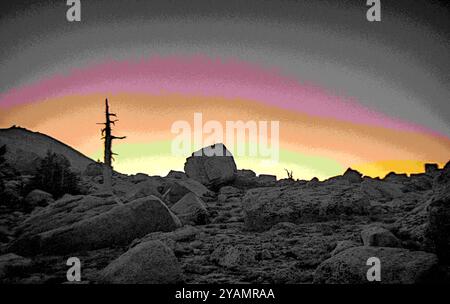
x: 54, y: 176
x: 108, y: 154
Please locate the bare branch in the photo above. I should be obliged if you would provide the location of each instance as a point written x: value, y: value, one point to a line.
x: 118, y: 137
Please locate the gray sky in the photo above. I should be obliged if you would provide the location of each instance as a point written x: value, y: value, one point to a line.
x: 399, y: 66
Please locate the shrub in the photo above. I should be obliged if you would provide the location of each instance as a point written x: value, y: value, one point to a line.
x: 54, y: 176
x: 8, y: 196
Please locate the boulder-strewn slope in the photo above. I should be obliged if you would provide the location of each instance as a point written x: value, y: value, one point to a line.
x: 216, y: 224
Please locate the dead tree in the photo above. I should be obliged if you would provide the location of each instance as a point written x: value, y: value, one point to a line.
x: 108, y: 154
x: 290, y: 174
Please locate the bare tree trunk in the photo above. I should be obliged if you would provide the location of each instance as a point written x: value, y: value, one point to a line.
x: 107, y: 179
x: 108, y: 154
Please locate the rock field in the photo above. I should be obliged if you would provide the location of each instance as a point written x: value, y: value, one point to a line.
x: 217, y: 224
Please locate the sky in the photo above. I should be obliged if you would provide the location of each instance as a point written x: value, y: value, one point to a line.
x: 372, y: 96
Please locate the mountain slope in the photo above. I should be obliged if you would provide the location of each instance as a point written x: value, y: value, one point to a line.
x: 24, y: 147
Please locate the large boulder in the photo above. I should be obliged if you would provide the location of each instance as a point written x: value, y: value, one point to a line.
x: 212, y: 166
x: 176, y: 174
x: 393, y: 177
x: 426, y: 227
x: 173, y: 239
x: 413, y: 225
x: 177, y: 188
x: 443, y: 178
x: 438, y: 231
x: 119, y: 225
x: 11, y: 264
x: 11, y: 192
x: 343, y: 245
x: 64, y: 212
x: 147, y: 263
x: 264, y: 207
x: 431, y: 169
x: 150, y: 186
x: 191, y: 210
x: 352, y: 176
x: 246, y: 179
x: 398, y: 266
x: 267, y: 178
x: 378, y: 236
x: 38, y: 198
x: 381, y: 190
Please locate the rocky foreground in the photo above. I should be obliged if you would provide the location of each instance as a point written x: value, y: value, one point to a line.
x: 216, y: 224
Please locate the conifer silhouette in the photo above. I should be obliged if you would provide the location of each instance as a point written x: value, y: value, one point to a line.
x: 54, y: 176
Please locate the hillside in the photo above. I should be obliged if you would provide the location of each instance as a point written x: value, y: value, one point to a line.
x: 25, y: 146
x: 215, y: 223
